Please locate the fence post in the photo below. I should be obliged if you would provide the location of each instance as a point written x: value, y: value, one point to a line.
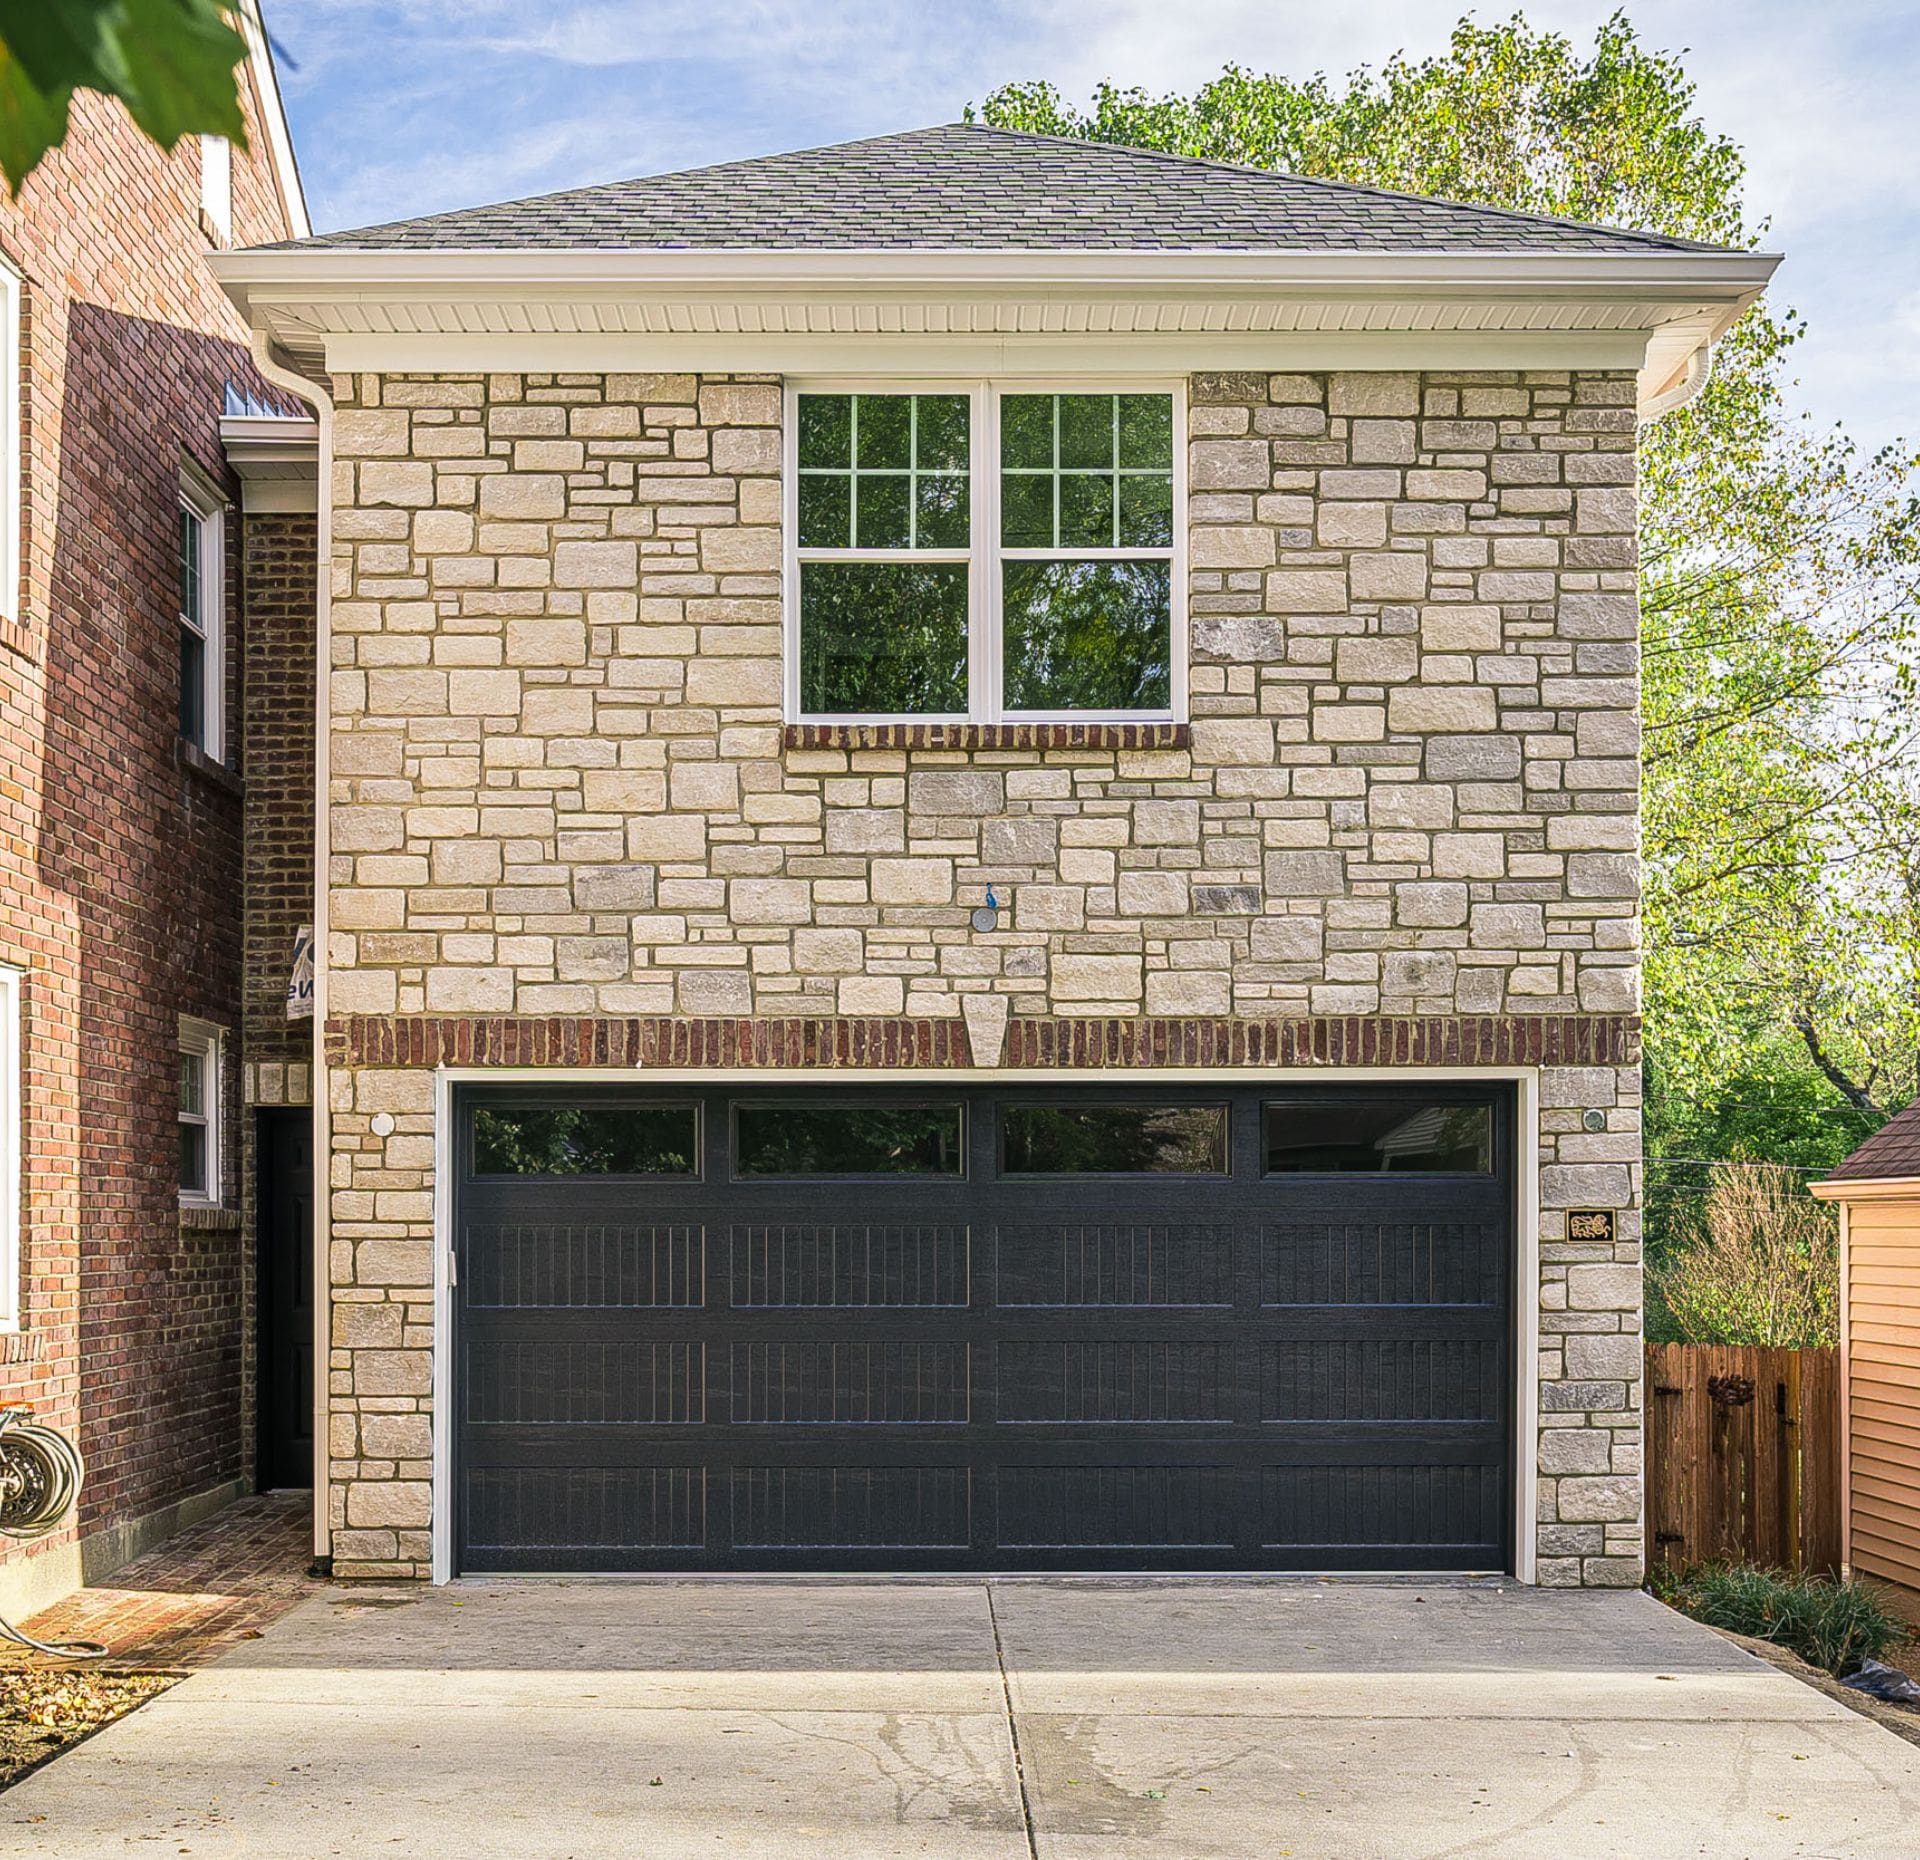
x: 1792, y: 1478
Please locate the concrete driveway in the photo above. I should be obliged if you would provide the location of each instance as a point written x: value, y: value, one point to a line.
x: 1071, y: 1720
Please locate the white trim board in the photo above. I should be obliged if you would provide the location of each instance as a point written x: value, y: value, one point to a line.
x: 1526, y: 1281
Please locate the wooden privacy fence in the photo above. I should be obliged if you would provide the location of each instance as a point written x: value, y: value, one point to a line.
x: 1743, y: 1456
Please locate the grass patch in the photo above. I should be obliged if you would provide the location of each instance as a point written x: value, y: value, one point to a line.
x: 1834, y: 1625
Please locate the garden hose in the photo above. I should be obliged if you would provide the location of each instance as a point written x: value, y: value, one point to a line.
x: 40, y: 1476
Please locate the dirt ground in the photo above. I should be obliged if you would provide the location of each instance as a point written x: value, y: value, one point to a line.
x: 45, y: 1710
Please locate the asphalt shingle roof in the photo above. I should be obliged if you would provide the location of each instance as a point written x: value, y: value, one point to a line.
x: 1891, y: 1152
x: 965, y: 187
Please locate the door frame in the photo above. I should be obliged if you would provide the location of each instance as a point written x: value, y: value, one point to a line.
x: 1526, y: 1216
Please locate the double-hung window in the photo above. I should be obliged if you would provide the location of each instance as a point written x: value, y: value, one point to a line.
x: 201, y: 1098
x: 984, y: 555
x: 201, y: 662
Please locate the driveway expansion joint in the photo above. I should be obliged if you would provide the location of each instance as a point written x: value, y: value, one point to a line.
x: 1013, y: 1729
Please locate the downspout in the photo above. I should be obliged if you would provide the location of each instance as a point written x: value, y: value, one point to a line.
x: 304, y: 388
x: 1681, y: 390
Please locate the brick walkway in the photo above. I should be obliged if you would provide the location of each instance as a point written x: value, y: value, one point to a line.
x: 184, y: 1604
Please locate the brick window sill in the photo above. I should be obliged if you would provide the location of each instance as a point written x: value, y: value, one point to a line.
x: 987, y: 735
x: 196, y: 761
x: 204, y: 1220
x: 18, y: 637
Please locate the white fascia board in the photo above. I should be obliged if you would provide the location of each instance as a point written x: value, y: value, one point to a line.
x: 1686, y: 275
x: 1867, y: 1188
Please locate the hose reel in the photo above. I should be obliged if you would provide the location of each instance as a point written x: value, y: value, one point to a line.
x: 40, y: 1477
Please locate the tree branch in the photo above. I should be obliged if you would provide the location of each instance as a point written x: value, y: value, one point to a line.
x: 1855, y: 1095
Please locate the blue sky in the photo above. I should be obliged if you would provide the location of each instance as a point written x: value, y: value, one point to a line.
x: 410, y: 106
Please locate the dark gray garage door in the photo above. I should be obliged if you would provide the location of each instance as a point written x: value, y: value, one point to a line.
x: 786, y: 1327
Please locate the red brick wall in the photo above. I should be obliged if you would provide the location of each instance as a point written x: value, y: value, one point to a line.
x: 278, y: 704
x: 120, y: 866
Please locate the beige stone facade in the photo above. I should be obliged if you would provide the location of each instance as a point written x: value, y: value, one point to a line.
x: 560, y: 786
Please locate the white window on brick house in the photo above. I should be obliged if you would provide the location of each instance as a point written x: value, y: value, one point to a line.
x: 12, y: 1112
x: 201, y: 1048
x: 216, y: 188
x: 202, y: 602
x: 985, y: 554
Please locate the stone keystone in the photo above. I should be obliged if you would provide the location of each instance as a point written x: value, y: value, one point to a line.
x: 986, y: 1018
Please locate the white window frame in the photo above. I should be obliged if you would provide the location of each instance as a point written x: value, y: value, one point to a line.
x: 216, y: 187
x: 209, y: 508
x: 13, y: 1067
x: 984, y: 554
x: 208, y: 1041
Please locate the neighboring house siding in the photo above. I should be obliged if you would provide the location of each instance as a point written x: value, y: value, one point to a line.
x: 1883, y: 1392
x: 564, y: 827
x: 120, y: 866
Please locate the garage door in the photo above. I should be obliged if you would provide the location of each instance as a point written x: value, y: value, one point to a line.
x: 786, y: 1328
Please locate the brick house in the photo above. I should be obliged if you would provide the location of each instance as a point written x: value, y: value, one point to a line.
x: 978, y: 819
x: 126, y: 555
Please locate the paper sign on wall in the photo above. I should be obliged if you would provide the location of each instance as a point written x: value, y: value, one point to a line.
x: 300, y: 983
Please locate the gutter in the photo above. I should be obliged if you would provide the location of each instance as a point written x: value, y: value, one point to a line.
x: 888, y: 267
x: 351, y: 270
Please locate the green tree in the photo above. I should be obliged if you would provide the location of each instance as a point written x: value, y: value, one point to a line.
x: 1780, y: 572
x: 171, y: 62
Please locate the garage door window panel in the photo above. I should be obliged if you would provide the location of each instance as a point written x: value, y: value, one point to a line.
x: 1385, y: 1137
x: 1113, y: 1139
x: 849, y: 1140
x: 569, y: 1140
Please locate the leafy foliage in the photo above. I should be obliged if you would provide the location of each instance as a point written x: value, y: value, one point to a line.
x: 1768, y: 1102
x: 1834, y: 1625
x: 1759, y: 1263
x: 1780, y: 568
x: 171, y: 62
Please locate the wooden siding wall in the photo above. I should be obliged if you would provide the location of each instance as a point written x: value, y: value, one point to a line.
x: 1883, y: 1312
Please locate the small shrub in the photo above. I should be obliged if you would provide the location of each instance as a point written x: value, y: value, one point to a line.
x: 1835, y: 1625
x: 1759, y: 1264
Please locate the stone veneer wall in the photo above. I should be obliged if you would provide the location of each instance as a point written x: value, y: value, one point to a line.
x: 561, y: 789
